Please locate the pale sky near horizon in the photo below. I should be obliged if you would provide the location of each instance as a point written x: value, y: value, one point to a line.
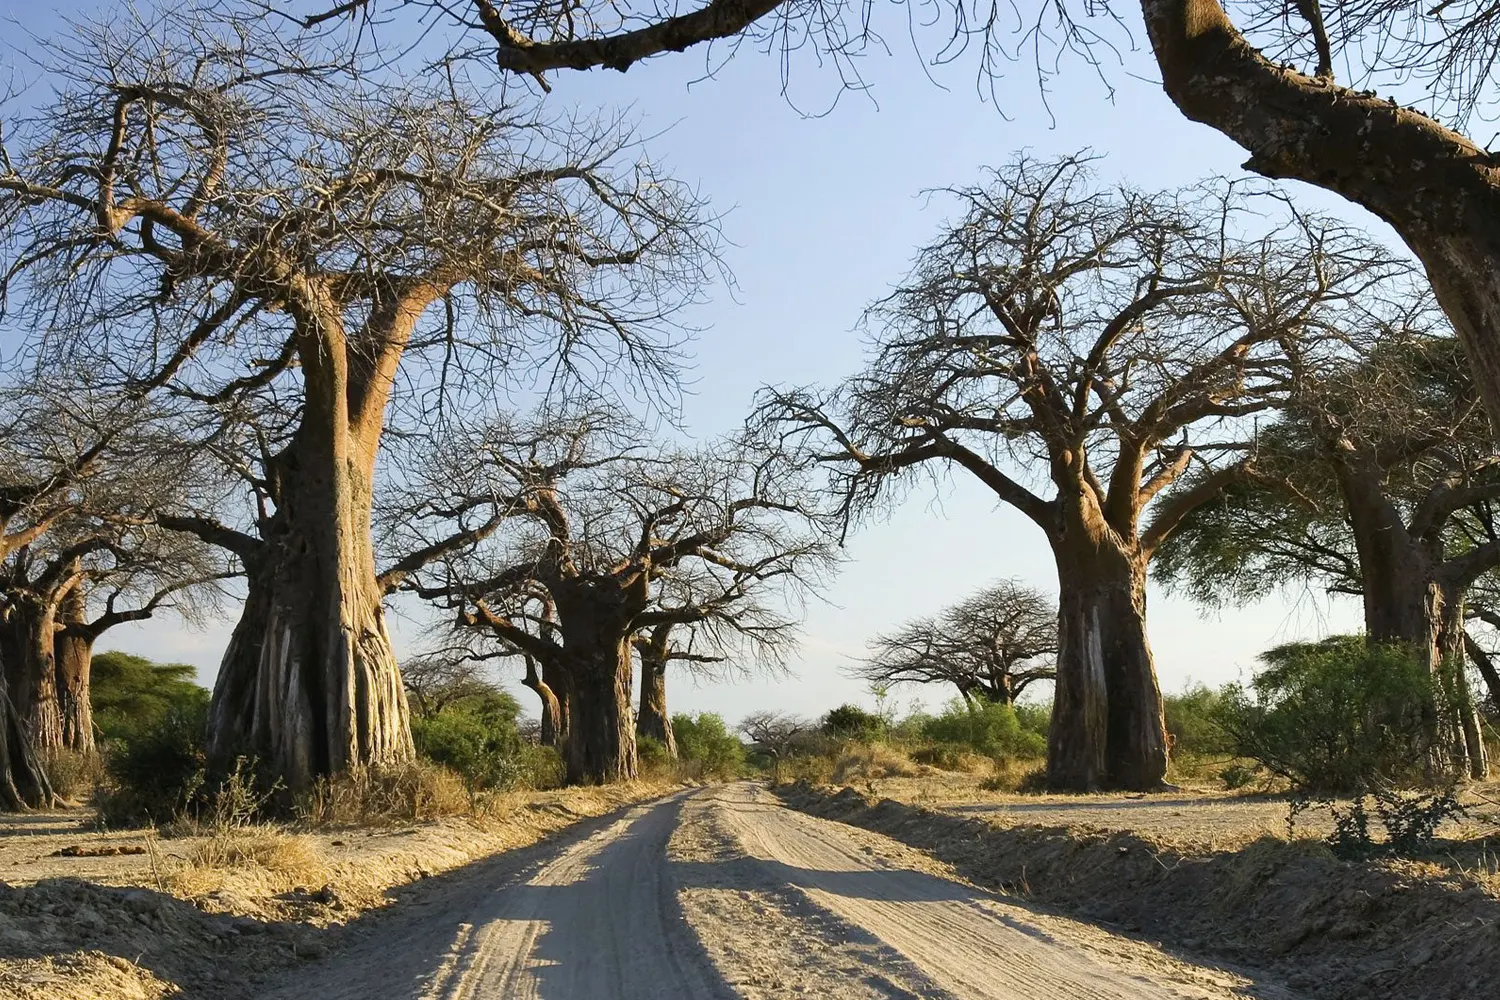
x: 824, y: 214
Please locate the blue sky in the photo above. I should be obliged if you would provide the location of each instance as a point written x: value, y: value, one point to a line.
x: 824, y: 214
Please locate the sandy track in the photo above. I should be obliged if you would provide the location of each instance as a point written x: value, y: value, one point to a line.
x: 724, y: 893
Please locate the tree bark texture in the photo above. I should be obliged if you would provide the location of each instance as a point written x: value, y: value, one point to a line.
x: 1435, y: 187
x: 31, y: 671
x: 601, y: 732
x: 652, y: 720
x: 1107, y: 726
x: 74, y: 655
x: 309, y: 684
x: 23, y: 781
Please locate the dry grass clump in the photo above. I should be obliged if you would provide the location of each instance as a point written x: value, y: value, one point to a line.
x: 383, y: 796
x: 74, y: 775
x: 255, y: 859
x: 870, y: 761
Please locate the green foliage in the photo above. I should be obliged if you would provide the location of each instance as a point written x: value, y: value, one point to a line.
x: 850, y: 722
x: 1410, y: 821
x: 1337, y: 716
x: 476, y: 736
x: 132, y: 695
x: 1035, y: 717
x: 989, y: 728
x: 705, y: 741
x: 1193, y: 719
x: 157, y: 771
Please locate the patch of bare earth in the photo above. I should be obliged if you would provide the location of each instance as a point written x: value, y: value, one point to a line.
x: 1179, y: 871
x: 131, y: 914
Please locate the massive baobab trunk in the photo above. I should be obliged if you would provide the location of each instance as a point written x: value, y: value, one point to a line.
x: 653, y: 721
x: 1107, y: 729
x: 594, y: 621
x: 23, y: 782
x: 31, y: 671
x: 73, y: 650
x: 309, y: 684
x: 601, y: 730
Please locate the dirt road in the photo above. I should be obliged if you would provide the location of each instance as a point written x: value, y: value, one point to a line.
x: 723, y: 893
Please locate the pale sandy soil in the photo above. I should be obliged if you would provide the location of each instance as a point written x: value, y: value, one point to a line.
x: 1211, y: 818
x: 723, y: 893
x: 202, y: 916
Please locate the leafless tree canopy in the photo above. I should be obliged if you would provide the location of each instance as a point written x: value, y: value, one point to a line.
x: 992, y: 645
x: 1106, y: 340
x: 497, y: 512
x: 236, y: 183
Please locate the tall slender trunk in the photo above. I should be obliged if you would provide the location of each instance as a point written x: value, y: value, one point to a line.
x: 1107, y: 727
x: 309, y: 684
x: 552, y: 726
x: 652, y: 720
x: 73, y: 649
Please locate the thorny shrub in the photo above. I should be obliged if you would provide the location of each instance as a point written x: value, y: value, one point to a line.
x: 1410, y: 820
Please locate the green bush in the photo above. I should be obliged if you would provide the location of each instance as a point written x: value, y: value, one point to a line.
x: 1035, y: 717
x: 850, y: 722
x: 1194, y: 720
x: 477, y: 737
x: 131, y: 694
x: 987, y: 728
x: 1334, y: 717
x: 158, y: 772
x: 705, y: 741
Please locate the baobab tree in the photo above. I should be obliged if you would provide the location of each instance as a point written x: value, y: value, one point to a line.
x: 1265, y: 78
x: 720, y: 620
x: 246, y: 220
x: 1104, y: 342
x: 991, y: 646
x: 52, y: 448
x: 598, y: 525
x: 1378, y: 480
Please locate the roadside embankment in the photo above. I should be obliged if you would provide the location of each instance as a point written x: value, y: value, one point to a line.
x: 1425, y: 929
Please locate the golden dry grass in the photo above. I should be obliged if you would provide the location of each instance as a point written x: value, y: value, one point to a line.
x: 257, y: 860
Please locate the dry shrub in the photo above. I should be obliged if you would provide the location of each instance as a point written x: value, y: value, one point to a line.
x: 74, y: 775
x: 867, y: 762
x: 402, y: 793
x: 947, y: 757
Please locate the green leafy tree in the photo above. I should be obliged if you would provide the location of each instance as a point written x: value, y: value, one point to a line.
x: 706, y: 741
x: 989, y: 728
x: 133, y: 695
x: 1338, y: 716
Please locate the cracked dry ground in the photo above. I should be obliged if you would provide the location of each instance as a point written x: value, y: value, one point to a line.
x: 721, y: 893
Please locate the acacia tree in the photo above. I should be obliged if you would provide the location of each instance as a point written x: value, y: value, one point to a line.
x: 1379, y: 481
x: 1105, y: 343
x: 246, y: 219
x: 1432, y: 183
x: 991, y: 646
x: 597, y: 526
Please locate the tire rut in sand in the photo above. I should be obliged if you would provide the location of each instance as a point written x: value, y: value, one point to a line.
x: 973, y: 945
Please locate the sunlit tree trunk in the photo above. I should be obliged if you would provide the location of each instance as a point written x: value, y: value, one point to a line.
x: 73, y: 648
x: 1107, y: 727
x: 552, y: 724
x: 30, y: 666
x: 309, y: 684
x: 653, y: 721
